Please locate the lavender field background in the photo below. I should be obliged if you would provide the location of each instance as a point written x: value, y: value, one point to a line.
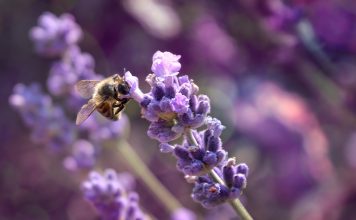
x: 281, y: 76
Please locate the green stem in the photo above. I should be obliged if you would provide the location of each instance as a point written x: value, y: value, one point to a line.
x: 236, y: 203
x: 141, y: 170
x: 192, y: 138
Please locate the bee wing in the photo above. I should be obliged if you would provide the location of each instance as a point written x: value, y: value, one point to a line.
x: 85, y: 111
x: 86, y: 88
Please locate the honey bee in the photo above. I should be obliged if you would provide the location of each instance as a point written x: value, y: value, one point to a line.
x: 104, y: 96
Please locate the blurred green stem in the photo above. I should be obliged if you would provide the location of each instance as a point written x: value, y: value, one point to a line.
x: 236, y: 204
x: 141, y: 170
x: 308, y: 39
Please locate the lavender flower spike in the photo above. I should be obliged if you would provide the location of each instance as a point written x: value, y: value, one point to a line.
x: 210, y: 194
x: 110, y: 197
x: 54, y: 35
x: 207, y: 154
x: 75, y: 65
x: 48, y: 123
x: 175, y: 109
x: 83, y: 156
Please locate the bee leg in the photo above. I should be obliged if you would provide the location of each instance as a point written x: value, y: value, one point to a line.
x: 116, y: 104
x: 113, y: 115
x: 123, y: 100
x: 120, y: 107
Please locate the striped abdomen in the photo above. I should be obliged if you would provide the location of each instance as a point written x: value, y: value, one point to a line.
x: 107, y: 110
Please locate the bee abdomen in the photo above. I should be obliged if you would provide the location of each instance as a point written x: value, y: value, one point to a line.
x: 105, y: 109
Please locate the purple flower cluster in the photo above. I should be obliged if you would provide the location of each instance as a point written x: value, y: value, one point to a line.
x: 110, y: 196
x: 175, y: 109
x: 54, y: 35
x: 74, y: 66
x: 48, y: 122
x: 207, y: 154
x: 99, y: 129
x: 173, y: 104
x: 82, y: 157
x: 210, y: 193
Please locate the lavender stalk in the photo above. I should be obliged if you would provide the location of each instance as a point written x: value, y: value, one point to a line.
x: 111, y: 196
x: 236, y: 204
x: 176, y: 110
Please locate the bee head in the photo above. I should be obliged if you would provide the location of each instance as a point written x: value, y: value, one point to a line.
x: 123, y: 88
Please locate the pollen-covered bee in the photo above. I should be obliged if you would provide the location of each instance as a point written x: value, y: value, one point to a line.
x: 104, y: 97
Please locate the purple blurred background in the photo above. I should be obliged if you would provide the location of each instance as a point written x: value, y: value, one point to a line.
x: 281, y: 76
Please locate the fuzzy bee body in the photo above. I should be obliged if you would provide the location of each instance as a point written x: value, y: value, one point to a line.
x: 104, y: 96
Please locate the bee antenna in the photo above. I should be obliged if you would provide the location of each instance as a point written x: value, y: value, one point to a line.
x: 115, y: 76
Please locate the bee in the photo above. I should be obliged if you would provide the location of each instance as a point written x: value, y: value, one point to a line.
x: 104, y: 96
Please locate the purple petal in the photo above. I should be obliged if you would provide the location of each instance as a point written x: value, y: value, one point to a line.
x: 162, y: 132
x: 166, y: 148
x: 165, y: 64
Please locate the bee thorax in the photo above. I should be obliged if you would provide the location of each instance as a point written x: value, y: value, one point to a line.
x: 107, y: 90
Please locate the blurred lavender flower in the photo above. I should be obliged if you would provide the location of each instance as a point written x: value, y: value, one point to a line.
x: 83, y: 156
x: 278, y: 16
x: 54, y: 35
x: 100, y: 129
x: 162, y: 21
x: 30, y: 102
x: 334, y: 23
x: 212, y: 40
x: 174, y: 108
x: 183, y: 214
x: 73, y: 66
x: 48, y: 122
x: 110, y: 197
x: 287, y: 131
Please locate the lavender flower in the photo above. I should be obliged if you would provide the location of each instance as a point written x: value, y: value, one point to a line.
x: 110, y: 197
x: 210, y: 193
x: 173, y: 104
x: 30, y: 102
x: 200, y: 159
x: 54, y: 35
x: 100, y: 129
x: 83, y: 156
x: 48, y: 122
x: 175, y: 109
x: 73, y: 66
